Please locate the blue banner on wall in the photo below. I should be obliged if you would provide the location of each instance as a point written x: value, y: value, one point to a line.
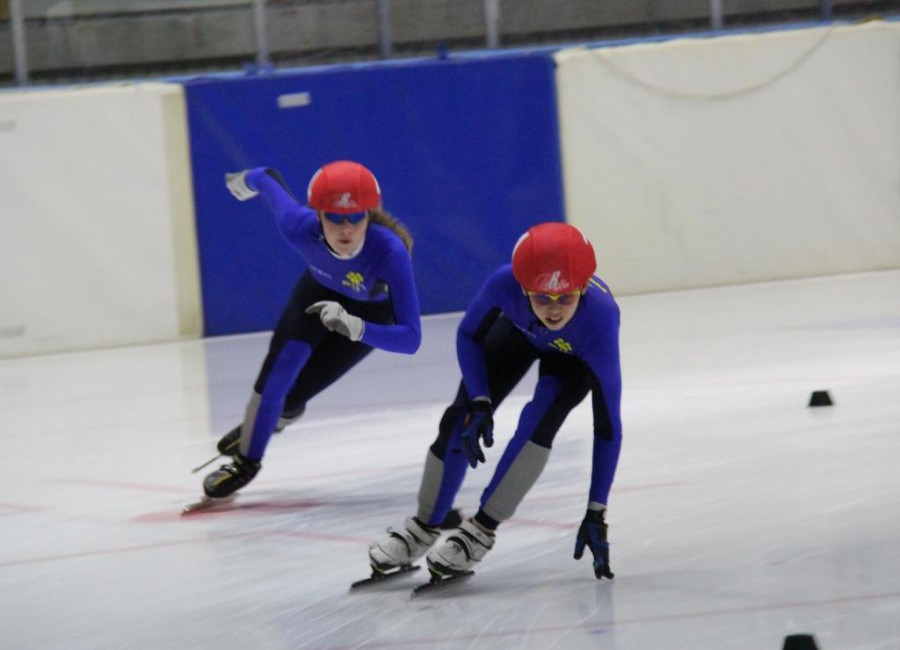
x: 466, y: 152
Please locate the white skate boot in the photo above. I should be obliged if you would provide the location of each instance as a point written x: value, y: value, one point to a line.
x: 402, y: 548
x: 461, y: 551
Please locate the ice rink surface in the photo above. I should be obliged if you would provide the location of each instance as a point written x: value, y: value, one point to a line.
x: 739, y: 515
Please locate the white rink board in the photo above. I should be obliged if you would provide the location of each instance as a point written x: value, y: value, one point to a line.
x: 98, y: 246
x: 746, y: 158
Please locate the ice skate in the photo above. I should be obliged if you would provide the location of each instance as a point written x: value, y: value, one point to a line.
x: 230, y: 443
x: 460, y: 552
x: 441, y: 584
x: 379, y: 578
x: 401, y: 548
x: 208, y: 504
x: 230, y: 478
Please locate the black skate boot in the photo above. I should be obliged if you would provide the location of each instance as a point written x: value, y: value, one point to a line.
x: 230, y: 443
x: 230, y: 478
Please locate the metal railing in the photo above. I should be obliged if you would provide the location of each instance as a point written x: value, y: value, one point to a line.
x: 17, y: 28
x: 381, y: 31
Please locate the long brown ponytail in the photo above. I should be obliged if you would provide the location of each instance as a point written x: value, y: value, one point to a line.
x: 383, y: 218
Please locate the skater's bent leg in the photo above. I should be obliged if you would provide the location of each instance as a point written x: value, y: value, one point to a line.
x: 509, y: 355
x: 440, y: 483
x: 445, y: 466
x: 512, y: 482
x: 288, y: 417
x: 527, y: 453
x: 330, y: 360
x: 267, y: 403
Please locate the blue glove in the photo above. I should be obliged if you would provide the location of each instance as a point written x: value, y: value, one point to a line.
x: 592, y: 533
x: 479, y: 423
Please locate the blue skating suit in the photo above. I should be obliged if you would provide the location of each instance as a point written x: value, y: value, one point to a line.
x: 498, y: 340
x: 376, y: 284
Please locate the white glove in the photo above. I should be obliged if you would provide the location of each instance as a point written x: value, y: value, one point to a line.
x: 335, y: 318
x: 237, y: 185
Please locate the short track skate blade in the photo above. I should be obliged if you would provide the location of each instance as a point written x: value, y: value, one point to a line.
x: 441, y: 584
x: 206, y: 464
x: 382, y: 578
x: 207, y: 504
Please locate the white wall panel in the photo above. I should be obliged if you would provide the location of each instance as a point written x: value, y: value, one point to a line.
x: 735, y: 159
x: 97, y: 243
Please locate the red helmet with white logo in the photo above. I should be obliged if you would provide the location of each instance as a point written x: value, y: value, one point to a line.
x: 343, y: 187
x: 553, y: 258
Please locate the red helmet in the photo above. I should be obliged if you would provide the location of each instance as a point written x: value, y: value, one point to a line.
x: 343, y: 187
x: 553, y: 258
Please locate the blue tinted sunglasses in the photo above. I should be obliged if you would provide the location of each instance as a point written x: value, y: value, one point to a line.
x: 337, y: 219
x: 544, y: 299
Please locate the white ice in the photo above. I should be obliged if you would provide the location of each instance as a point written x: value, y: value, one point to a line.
x: 739, y: 514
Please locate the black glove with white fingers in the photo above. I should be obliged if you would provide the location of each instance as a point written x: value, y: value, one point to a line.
x: 237, y: 184
x: 592, y: 534
x: 336, y: 319
x: 479, y: 424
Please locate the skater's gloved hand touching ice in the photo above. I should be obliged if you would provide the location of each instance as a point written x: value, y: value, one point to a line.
x: 592, y: 533
x: 479, y: 424
x: 237, y: 185
x: 335, y: 318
